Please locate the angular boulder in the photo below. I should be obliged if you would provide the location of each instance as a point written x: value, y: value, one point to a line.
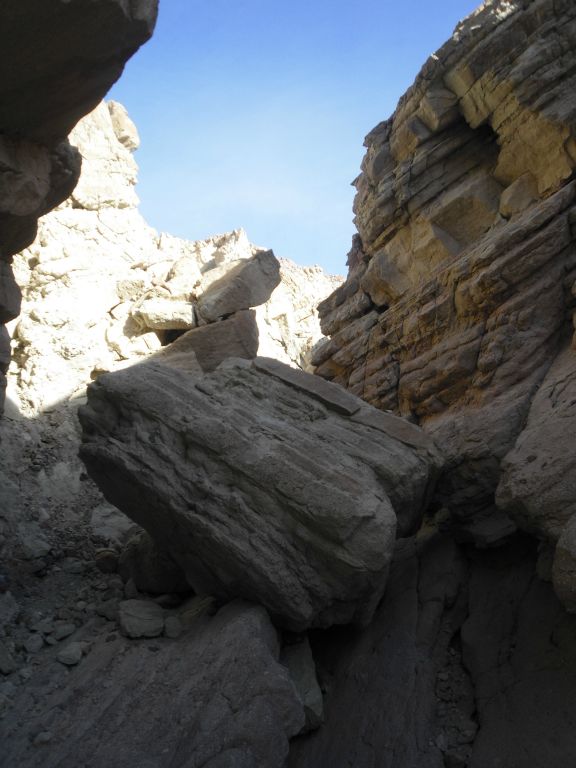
x: 261, y: 481
x: 237, y: 336
x: 247, y: 284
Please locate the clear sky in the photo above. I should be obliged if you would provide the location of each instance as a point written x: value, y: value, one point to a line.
x: 252, y: 113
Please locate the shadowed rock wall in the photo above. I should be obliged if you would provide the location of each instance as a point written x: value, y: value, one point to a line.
x: 57, y: 59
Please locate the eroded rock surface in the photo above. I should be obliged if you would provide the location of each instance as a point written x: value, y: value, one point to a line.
x: 459, y: 297
x: 102, y: 288
x: 261, y: 481
x: 469, y: 656
x: 59, y: 59
x: 215, y: 697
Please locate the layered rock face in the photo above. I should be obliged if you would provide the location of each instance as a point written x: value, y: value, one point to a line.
x: 460, y: 290
x: 261, y: 481
x: 58, y: 60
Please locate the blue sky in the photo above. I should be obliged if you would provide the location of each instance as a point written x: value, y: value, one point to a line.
x: 252, y: 113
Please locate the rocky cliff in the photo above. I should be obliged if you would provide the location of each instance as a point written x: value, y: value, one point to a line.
x: 460, y: 297
x: 101, y: 287
x: 58, y: 59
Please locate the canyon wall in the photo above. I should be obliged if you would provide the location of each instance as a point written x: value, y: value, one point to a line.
x: 58, y: 60
x: 460, y: 293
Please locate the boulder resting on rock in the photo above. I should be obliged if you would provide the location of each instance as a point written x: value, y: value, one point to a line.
x: 261, y: 482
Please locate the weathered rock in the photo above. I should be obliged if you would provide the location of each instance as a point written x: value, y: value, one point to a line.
x: 7, y: 663
x: 212, y: 344
x: 140, y: 618
x: 380, y: 705
x: 59, y: 60
x: 520, y: 648
x: 258, y: 487
x: 215, y: 697
x: 458, y: 295
x: 538, y: 485
x: 71, y: 654
x: 455, y: 669
x: 110, y: 524
x: 101, y: 287
x: 151, y: 569
x: 298, y: 659
x: 564, y: 566
x: 246, y: 284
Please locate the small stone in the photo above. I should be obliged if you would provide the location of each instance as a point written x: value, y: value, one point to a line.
x: 71, y: 654
x: 45, y: 737
x: 169, y: 601
x: 72, y: 565
x: 108, y: 609
x: 63, y: 630
x: 107, y: 561
x: 7, y: 663
x: 9, y: 608
x: 34, y: 643
x: 130, y: 590
x: 299, y: 661
x: 173, y: 627
x: 140, y: 618
x: 194, y: 608
x: 43, y: 625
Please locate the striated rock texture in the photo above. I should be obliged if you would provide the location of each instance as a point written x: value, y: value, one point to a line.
x: 216, y: 697
x: 58, y: 60
x: 261, y: 482
x: 459, y: 294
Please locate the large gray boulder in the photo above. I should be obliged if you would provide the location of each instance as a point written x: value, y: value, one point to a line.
x: 261, y: 481
x: 215, y: 698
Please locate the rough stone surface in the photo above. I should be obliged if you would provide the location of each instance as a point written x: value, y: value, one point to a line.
x: 538, y: 485
x: 246, y: 284
x: 216, y: 696
x: 298, y: 659
x: 59, y: 59
x: 257, y: 488
x: 212, y: 344
x: 564, y: 566
x: 455, y: 670
x: 458, y: 297
x: 102, y: 288
x: 151, y: 569
x: 140, y: 618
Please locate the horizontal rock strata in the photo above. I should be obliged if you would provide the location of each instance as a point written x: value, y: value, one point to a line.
x: 459, y: 294
x: 261, y: 481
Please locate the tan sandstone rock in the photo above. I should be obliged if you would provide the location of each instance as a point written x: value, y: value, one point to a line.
x: 458, y: 295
